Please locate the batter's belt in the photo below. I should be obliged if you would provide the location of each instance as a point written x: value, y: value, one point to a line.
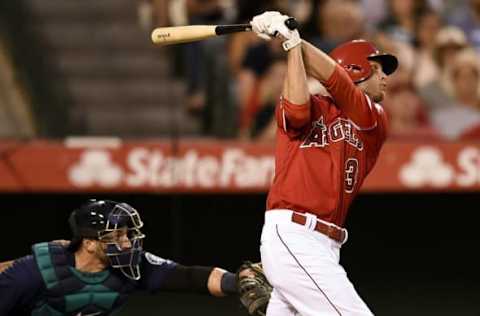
x: 331, y: 231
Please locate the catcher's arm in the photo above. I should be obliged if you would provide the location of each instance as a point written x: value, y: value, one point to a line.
x: 215, y: 280
x: 5, y: 265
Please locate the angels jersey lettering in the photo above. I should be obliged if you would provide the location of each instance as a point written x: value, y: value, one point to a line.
x: 325, y: 149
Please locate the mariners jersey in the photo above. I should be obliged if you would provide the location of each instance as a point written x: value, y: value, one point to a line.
x: 325, y: 149
x: 22, y: 286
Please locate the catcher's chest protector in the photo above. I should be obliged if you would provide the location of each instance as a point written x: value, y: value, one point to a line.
x: 71, y: 292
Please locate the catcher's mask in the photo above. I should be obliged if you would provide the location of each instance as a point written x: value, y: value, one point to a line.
x: 114, y: 224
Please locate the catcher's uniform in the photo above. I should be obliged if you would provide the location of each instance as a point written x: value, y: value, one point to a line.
x: 31, y: 282
x: 324, y: 151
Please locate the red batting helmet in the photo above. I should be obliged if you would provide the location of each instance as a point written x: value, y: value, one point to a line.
x: 355, y: 55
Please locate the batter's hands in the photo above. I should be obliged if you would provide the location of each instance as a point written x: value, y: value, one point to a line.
x: 272, y: 24
x: 277, y: 27
x: 260, y: 24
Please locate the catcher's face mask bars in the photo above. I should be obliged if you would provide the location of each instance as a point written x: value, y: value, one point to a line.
x: 124, y: 240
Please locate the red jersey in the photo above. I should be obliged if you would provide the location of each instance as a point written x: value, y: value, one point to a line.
x: 325, y: 149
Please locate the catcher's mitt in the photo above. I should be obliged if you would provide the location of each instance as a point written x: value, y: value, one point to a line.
x: 253, y: 288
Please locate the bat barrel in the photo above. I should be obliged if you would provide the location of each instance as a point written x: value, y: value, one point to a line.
x: 182, y: 34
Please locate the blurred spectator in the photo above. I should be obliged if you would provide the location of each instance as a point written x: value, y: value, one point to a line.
x: 238, y: 46
x: 375, y: 12
x: 432, y: 88
x: 462, y: 118
x: 466, y: 16
x: 204, y: 69
x: 448, y: 42
x: 464, y: 72
x: 16, y: 117
x: 340, y: 21
x: 263, y: 127
x: 426, y: 29
x: 239, y: 43
x: 153, y: 13
x: 405, y: 110
x: 199, y: 12
x: 405, y: 53
x: 412, y: 29
x: 300, y: 9
x: 401, y: 19
x: 256, y: 65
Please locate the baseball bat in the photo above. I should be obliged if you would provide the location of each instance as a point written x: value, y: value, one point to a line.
x: 190, y: 33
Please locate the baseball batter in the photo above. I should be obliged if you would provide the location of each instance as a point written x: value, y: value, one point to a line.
x: 325, y: 147
x: 99, y: 269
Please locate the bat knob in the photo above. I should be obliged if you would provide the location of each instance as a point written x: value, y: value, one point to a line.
x: 291, y: 23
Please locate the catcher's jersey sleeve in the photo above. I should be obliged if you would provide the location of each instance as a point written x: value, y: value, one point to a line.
x: 155, y: 271
x: 20, y: 284
x: 163, y: 274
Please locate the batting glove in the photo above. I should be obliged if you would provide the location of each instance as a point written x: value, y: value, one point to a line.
x: 260, y: 23
x: 277, y: 27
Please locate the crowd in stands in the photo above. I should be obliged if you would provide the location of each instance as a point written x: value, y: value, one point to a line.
x: 237, y: 79
x: 233, y: 82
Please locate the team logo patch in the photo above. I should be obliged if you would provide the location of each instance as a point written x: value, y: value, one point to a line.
x: 152, y: 259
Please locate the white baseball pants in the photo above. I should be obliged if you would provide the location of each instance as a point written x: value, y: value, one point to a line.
x: 303, y: 267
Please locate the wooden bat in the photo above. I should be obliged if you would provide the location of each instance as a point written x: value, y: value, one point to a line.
x: 190, y: 33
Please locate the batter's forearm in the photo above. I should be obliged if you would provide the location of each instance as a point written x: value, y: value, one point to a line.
x: 317, y: 63
x: 295, y: 88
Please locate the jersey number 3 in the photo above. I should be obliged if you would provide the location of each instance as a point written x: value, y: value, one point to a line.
x: 351, y: 174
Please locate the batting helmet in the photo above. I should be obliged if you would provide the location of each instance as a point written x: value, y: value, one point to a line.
x: 354, y: 57
x: 98, y: 219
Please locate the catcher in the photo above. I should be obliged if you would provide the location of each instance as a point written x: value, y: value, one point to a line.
x: 104, y: 263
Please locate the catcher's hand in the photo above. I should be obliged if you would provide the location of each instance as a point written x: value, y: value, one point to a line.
x: 253, y: 288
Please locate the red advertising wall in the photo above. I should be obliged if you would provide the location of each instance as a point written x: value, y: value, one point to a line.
x: 114, y: 165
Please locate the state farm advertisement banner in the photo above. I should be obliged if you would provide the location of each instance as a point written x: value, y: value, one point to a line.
x: 426, y: 167
x: 211, y: 166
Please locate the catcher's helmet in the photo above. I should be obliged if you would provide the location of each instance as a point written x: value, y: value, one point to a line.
x: 97, y: 219
x: 354, y: 57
